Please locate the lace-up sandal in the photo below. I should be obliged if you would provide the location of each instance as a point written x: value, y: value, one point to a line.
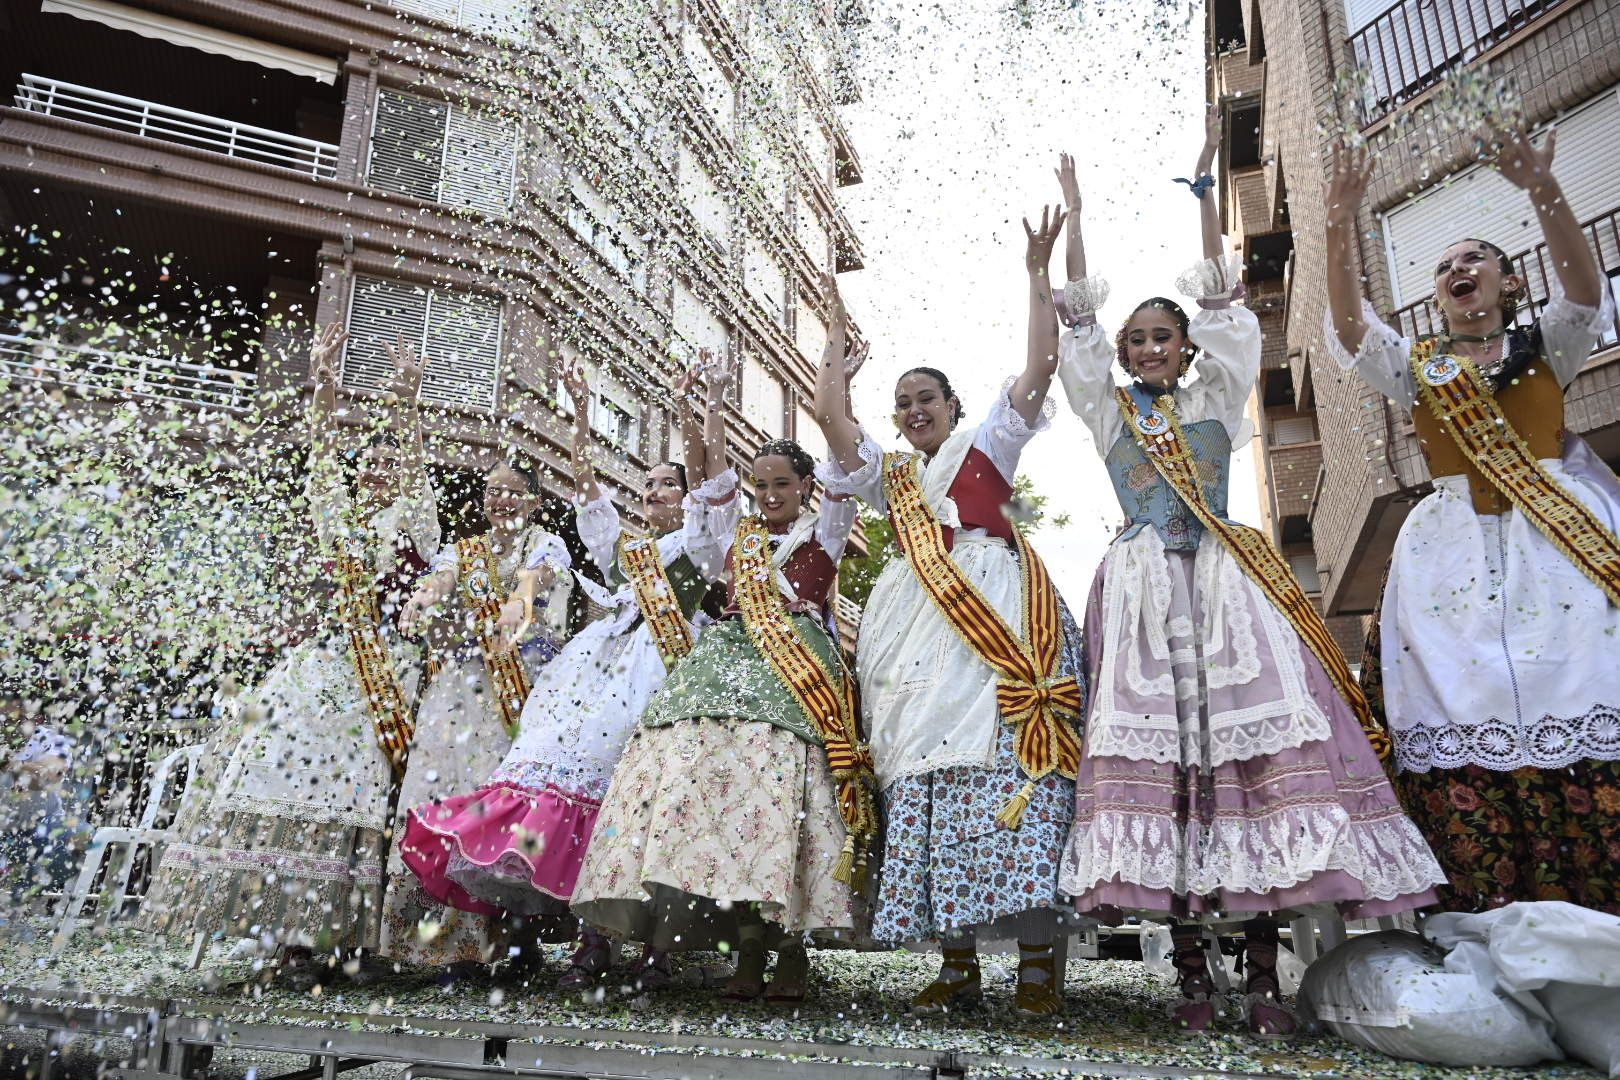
x: 1268, y: 1017
x: 1037, y: 997
x: 1196, y: 1011
x: 588, y: 964
x: 944, y: 994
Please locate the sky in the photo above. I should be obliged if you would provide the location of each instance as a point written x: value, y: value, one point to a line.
x: 964, y: 113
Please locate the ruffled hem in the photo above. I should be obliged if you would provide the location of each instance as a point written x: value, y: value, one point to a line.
x: 1211, y: 279
x: 838, y: 482
x: 1378, y: 337
x: 715, y: 489
x: 527, y: 843
x: 1552, y: 742
x: 1012, y: 421
x: 1084, y: 296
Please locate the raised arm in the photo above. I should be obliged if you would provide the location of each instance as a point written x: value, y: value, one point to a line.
x: 323, y: 370
x: 831, y: 402
x: 578, y: 389
x: 1029, y: 391
x: 1352, y: 169
x: 1209, y: 210
x: 1530, y: 170
x: 1074, y: 250
x: 686, y: 404
x: 716, y: 377
x: 406, y: 388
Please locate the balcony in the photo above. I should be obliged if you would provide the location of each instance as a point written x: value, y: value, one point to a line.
x: 102, y: 373
x: 1537, y: 269
x: 163, y: 123
x: 1409, y: 47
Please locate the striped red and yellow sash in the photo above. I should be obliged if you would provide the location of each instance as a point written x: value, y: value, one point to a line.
x: 1167, y: 448
x: 1043, y: 708
x: 656, y: 599
x: 827, y: 700
x: 1462, y: 401
x: 481, y: 592
x: 373, y: 666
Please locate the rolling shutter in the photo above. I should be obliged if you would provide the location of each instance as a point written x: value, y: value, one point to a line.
x: 440, y: 152
x: 458, y: 335
x: 380, y: 312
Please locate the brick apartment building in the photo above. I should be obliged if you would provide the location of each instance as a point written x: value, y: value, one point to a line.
x: 1338, y: 466
x: 501, y: 181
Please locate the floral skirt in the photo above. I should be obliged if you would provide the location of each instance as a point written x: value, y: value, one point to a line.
x: 704, y: 816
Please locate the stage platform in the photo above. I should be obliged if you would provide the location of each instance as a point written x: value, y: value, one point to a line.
x: 124, y: 1000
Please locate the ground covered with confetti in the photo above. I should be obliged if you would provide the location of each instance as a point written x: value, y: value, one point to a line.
x: 1115, y: 1023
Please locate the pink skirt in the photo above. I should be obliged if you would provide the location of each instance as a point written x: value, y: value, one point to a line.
x: 503, y: 848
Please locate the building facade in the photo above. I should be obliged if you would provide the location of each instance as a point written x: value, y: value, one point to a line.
x: 506, y: 184
x: 1339, y: 466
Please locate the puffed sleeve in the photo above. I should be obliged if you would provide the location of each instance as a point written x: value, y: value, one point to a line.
x: 1085, y: 369
x: 712, y: 512
x: 1383, y: 360
x: 329, y: 505
x: 598, y: 525
x: 1570, y: 331
x: 420, y: 517
x: 835, y: 522
x: 548, y: 549
x: 865, y: 483
x: 1004, y: 433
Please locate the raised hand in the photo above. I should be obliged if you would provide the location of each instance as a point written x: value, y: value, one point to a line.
x: 834, y: 301
x: 715, y: 377
x: 1068, y: 182
x: 577, y: 386
x: 1212, y: 127
x: 1518, y: 160
x: 1347, y: 185
x: 415, y: 613
x: 323, y: 355
x: 855, y: 359
x: 1038, y: 255
x: 407, y: 380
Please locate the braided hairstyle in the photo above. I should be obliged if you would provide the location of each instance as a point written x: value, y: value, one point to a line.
x: 798, y: 457
x: 944, y: 388
x: 1174, y: 310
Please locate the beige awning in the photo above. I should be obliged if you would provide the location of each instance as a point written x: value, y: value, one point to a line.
x: 196, y: 36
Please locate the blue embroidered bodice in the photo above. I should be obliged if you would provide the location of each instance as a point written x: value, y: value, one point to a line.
x: 1148, y: 499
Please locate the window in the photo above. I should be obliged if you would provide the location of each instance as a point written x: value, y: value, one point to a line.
x: 700, y: 195
x: 764, y: 280
x: 1228, y: 26
x: 433, y: 150
x: 457, y: 333
x: 697, y: 327
x: 808, y: 433
x: 765, y: 166
x: 764, y: 398
x: 1293, y: 430
x: 808, y: 228
x: 811, y: 334
x: 1243, y: 134
x: 1303, y: 565
x: 719, y: 99
x: 813, y: 139
x: 600, y: 227
x: 495, y: 18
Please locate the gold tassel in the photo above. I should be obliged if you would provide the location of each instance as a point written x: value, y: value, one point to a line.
x: 861, y: 872
x: 844, y: 871
x: 1012, y: 815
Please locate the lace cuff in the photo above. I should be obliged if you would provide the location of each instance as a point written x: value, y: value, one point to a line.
x: 548, y: 549
x: 1211, y: 279
x: 1379, y: 336
x: 1081, y: 299
x: 714, y: 490
x: 835, y: 481
x: 598, y: 525
x: 1008, y: 419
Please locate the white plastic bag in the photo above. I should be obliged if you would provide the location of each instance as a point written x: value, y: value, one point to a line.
x: 1391, y: 992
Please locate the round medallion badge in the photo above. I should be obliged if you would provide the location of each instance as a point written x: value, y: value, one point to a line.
x: 478, y: 585
x: 1152, y: 424
x: 1441, y: 370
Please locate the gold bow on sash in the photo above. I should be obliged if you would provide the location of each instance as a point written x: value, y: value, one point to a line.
x: 361, y: 619
x: 1041, y: 706
x: 1469, y: 412
x: 481, y: 592
x: 828, y: 701
x: 656, y: 599
x: 1160, y: 436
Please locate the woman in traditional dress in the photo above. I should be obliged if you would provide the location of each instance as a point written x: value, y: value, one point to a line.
x: 970, y: 694
x: 1227, y: 774
x: 290, y: 850
x: 1500, y: 620
x: 470, y: 710
x: 743, y: 804
x: 516, y: 842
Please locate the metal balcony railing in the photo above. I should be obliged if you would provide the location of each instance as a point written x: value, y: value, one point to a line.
x: 1409, y: 47
x: 1538, y: 271
x: 149, y: 120
x: 104, y: 373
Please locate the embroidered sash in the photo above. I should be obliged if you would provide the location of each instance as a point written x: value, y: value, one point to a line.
x: 656, y: 598
x: 1468, y: 411
x: 828, y: 701
x: 1042, y: 708
x: 1160, y: 436
x: 379, y: 683
x: 481, y: 592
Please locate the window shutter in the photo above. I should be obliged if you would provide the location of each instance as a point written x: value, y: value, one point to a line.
x: 764, y: 400
x: 1304, y: 567
x: 702, y: 197
x: 497, y: 18
x: 811, y: 335
x: 407, y: 144
x: 764, y: 279
x: 1293, y: 430
x: 807, y: 433
x: 480, y: 152
x: 381, y: 311
x: 443, y: 10
x: 463, y: 350
x: 814, y: 238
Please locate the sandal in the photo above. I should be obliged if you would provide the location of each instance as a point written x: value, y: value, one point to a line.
x: 1038, y: 997
x: 651, y: 972
x: 748, y: 983
x: 589, y: 962
x: 787, y: 983
x: 1268, y: 1017
x: 1196, y: 1011
x: 944, y: 994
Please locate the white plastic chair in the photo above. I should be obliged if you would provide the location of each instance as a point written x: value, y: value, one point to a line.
x: 164, y: 787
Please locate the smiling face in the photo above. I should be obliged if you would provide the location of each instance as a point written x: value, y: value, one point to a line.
x: 377, y: 476
x: 779, y: 490
x: 1153, y: 346
x: 661, y: 497
x: 508, y: 499
x: 923, y: 411
x: 1469, y: 284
